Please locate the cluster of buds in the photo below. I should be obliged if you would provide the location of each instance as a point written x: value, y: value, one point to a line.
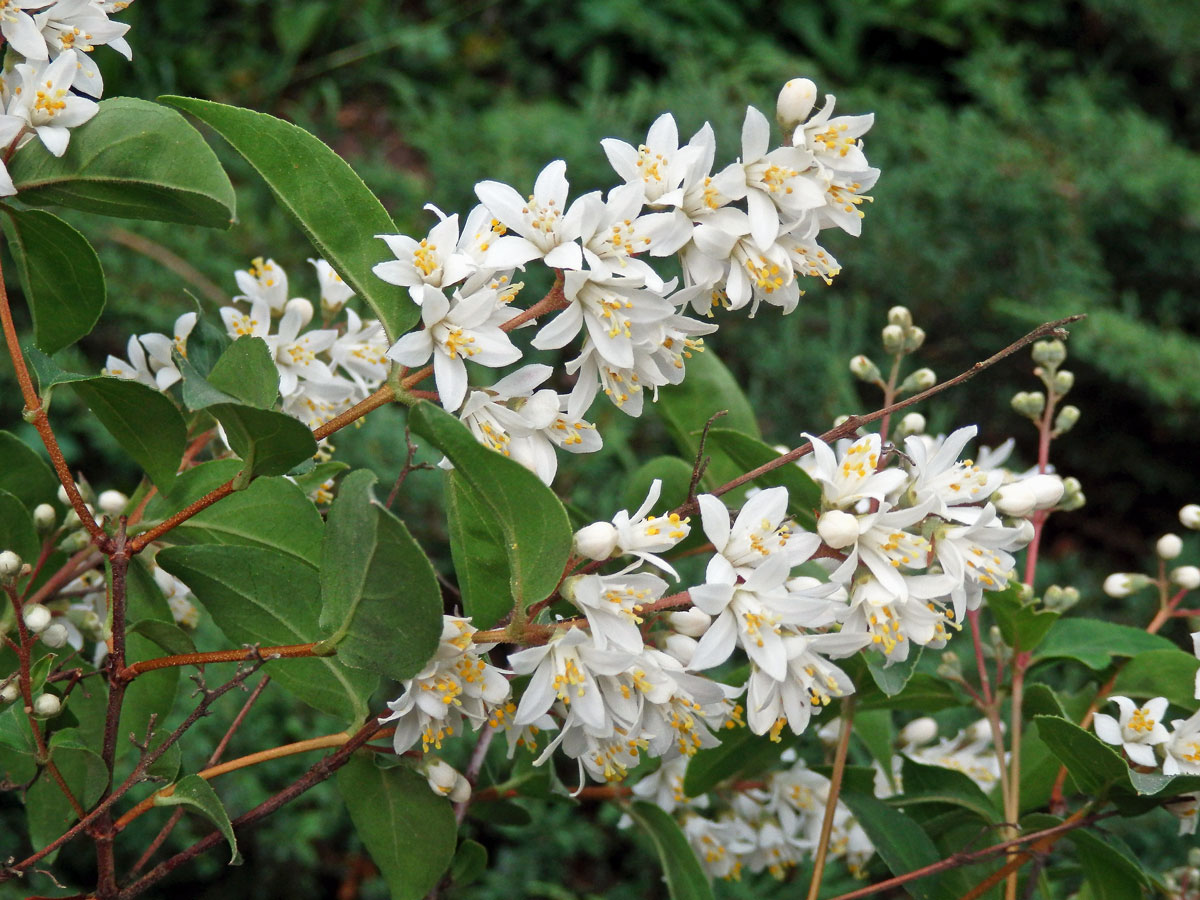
x: 1167, y: 548
x: 900, y: 338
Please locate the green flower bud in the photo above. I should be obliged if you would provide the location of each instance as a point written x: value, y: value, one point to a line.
x: 1049, y: 353
x: 74, y: 542
x: 862, y: 368
x: 914, y: 338
x: 920, y: 380
x: 1030, y: 404
x: 900, y: 315
x: 1073, y: 497
x: 893, y: 339
x: 1065, y: 420
x: 1060, y: 599
x: 1063, y: 382
x: 950, y: 667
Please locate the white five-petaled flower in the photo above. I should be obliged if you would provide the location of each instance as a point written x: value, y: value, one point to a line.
x: 612, y: 603
x: 44, y: 100
x: 265, y: 281
x: 1183, y: 749
x: 544, y: 226
x: 467, y: 328
x: 761, y: 529
x: 433, y: 260
x: 20, y: 30
x: 778, y: 180
x: 856, y: 476
x: 334, y: 291
x: 1137, y: 731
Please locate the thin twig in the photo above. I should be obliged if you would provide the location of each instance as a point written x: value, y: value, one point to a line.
x: 831, y: 801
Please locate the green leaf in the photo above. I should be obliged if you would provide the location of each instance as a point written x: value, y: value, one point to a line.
x: 676, y: 477
x: 318, y: 475
x: 1093, y: 764
x: 247, y: 372
x: 260, y: 596
x: 379, y: 593
x: 470, y: 861
x: 477, y: 547
x: 196, y: 795
x: 190, y: 485
x: 134, y: 159
x: 144, y: 422
x: 1094, y: 642
x: 1160, y: 673
x: 1020, y: 625
x: 687, y: 407
x: 18, y: 751
x: 532, y: 521
x: 901, y: 844
x: 874, y: 728
x: 923, y: 692
x: 891, y: 679
x: 169, y: 638
x: 269, y: 442
x: 60, y: 276
x: 16, y: 528
x: 938, y: 784
x: 681, y: 869
x: 1111, y: 870
x: 740, y: 751
x: 48, y: 810
x: 167, y: 765
x: 1040, y: 700
x: 329, y: 201
x: 804, y: 494
x: 409, y: 832
x: 24, y: 473
x: 272, y: 512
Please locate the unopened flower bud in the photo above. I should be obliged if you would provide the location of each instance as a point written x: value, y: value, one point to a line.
x: 1169, y: 546
x: 1060, y: 599
x: 62, y: 496
x: 796, y: 100
x: 1048, y: 489
x: 445, y: 780
x: 10, y: 692
x: 1024, y: 594
x: 979, y: 730
x: 912, y: 423
x: 919, y: 731
x: 596, y: 541
x: 893, y: 339
x: 112, y: 503
x: 47, y: 706
x: 1025, y: 532
x: 1015, y: 499
x: 37, y: 617
x: 1030, y: 404
x: 10, y: 565
x: 841, y: 420
x: 1063, y: 381
x: 74, y: 542
x: 1049, y: 353
x: 72, y: 520
x: 691, y: 622
x: 1186, y: 577
x: 838, y: 529
x: 55, y: 635
x: 920, y: 380
x: 862, y: 368
x: 900, y: 315
x: 914, y: 339
x: 1073, y: 496
x: 1065, y: 419
x: 301, y: 307
x: 44, y: 518
x: 950, y: 667
x: 682, y: 647
x: 1189, y: 516
x: 1122, y: 584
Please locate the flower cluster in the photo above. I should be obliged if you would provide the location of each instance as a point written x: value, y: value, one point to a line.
x: 54, y: 83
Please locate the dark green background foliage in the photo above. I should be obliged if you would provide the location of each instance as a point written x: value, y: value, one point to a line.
x: 1039, y: 159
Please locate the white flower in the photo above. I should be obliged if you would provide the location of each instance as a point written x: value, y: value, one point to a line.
x: 720, y: 846
x: 659, y: 164
x: 334, y: 291
x: 834, y: 141
x: 82, y: 25
x: 160, y: 349
x: 637, y: 535
x: 612, y: 603
x: 761, y: 529
x: 1183, y: 748
x: 45, y: 101
x: 136, y: 369
x: 444, y: 780
x: 265, y: 282
x: 938, y: 473
x: 295, y: 354
x: 465, y: 329
x: 778, y: 180
x: 544, y: 226
x: 361, y: 349
x: 20, y: 30
x: 811, y: 682
x: 433, y: 260
x: 856, y: 477
x: 1139, y: 728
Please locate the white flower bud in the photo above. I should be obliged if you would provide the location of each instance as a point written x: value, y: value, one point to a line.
x: 1016, y: 499
x: 112, y: 503
x: 912, y: 423
x: 10, y: 692
x: 301, y: 306
x: 914, y: 339
x: 1186, y: 577
x: 37, y: 617
x: 920, y: 380
x: 1122, y: 584
x: 1169, y: 546
x: 55, y: 635
x: 62, y: 496
x: 862, y: 368
x: 10, y: 565
x: 445, y: 780
x: 1189, y: 516
x: 1025, y: 532
x: 596, y: 541
x: 796, y: 100
x: 1049, y: 353
x: 1048, y: 489
x: 44, y: 517
x: 837, y: 529
x: 1065, y: 419
x: 919, y: 731
x: 682, y: 647
x: 692, y: 622
x: 979, y: 730
x: 900, y: 315
x: 893, y: 339
x: 47, y: 706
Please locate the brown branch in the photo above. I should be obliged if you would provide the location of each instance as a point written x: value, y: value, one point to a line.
x: 170, y: 261
x: 289, y: 651
x: 82, y: 561
x: 138, y: 544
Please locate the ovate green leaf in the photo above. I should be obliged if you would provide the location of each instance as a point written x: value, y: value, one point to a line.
x: 1094, y: 642
x: 196, y: 795
x: 24, y: 473
x: 269, y: 442
x: 681, y: 869
x: 247, y: 372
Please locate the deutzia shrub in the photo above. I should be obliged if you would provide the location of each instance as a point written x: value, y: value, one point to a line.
x: 743, y: 648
